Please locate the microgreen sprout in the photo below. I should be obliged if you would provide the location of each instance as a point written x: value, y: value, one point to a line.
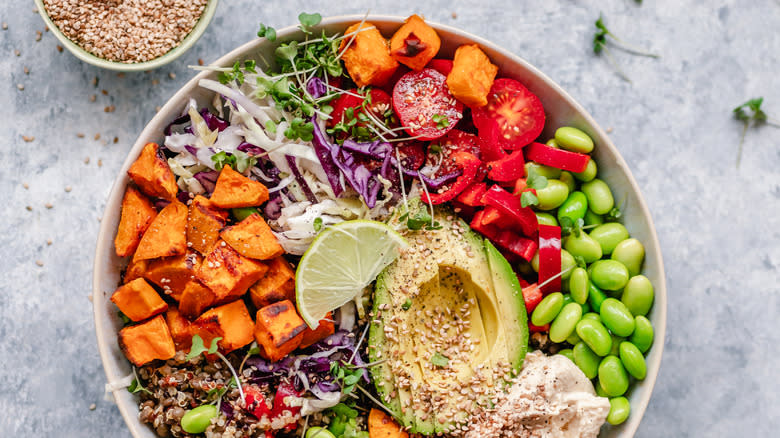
x: 317, y: 225
x: 600, y: 46
x: 440, y: 360
x: 751, y: 114
x: 533, y: 181
x: 441, y: 121
x: 267, y: 32
x: 136, y: 385
x: 407, y: 304
x: 199, y: 348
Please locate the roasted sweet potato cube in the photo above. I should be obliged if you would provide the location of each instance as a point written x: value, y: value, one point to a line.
x: 367, y: 59
x: 143, y: 343
x: 195, y: 299
x: 152, y: 173
x: 135, y: 269
x: 179, y: 327
x: 415, y: 43
x: 278, y: 284
x: 227, y: 273
x: 137, y: 214
x: 234, y: 190
x: 472, y: 75
x: 278, y: 330
x: 203, y: 224
x: 231, y: 322
x: 381, y: 425
x: 252, y: 237
x: 138, y: 300
x: 166, y: 236
x: 173, y: 273
x: 325, y: 329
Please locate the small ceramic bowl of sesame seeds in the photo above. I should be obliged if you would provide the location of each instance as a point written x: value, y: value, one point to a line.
x: 127, y: 35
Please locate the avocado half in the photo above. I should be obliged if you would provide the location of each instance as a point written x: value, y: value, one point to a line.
x: 449, y: 326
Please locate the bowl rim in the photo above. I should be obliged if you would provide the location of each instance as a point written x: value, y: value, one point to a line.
x: 80, y: 53
x: 104, y: 239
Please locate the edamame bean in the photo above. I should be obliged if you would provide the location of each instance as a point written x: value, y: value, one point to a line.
x: 613, y: 378
x: 599, y: 392
x: 633, y: 360
x: 319, y: 432
x: 567, y: 264
x: 568, y: 353
x: 198, y: 419
x: 616, y: 340
x: 568, y: 178
x: 564, y: 323
x: 547, y: 309
x: 592, y: 316
x: 619, y: 409
x: 589, y: 173
x: 609, y: 235
x: 552, y: 143
x: 599, y: 195
x: 574, y: 207
x: 535, y: 262
x: 243, y: 212
x: 585, y: 308
x: 573, y: 139
x: 595, y: 297
x: 643, y: 334
x: 553, y: 195
x: 638, y: 295
x: 586, y: 360
x: 546, y: 219
x: 578, y: 285
x: 583, y: 246
x: 592, y: 218
x: 608, y: 274
x: 616, y: 316
x: 540, y: 169
x: 630, y: 253
x: 573, y: 339
x: 595, y: 335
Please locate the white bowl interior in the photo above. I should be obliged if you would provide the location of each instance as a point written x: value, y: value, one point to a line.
x: 561, y: 110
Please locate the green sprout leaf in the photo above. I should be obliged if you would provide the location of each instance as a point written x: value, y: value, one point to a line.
x: 440, y: 360
x: 222, y: 159
x: 267, y: 32
x: 441, y: 121
x: 580, y: 261
x: 198, y: 348
x: 528, y: 198
x: 750, y: 114
x: 407, y: 304
x: 534, y: 180
x: 300, y: 128
x: 317, y: 224
x: 308, y: 21
x: 136, y: 387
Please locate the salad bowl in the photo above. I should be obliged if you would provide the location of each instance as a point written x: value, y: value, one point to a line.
x: 560, y: 109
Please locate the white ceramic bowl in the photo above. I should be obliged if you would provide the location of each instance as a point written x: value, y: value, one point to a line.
x: 561, y: 110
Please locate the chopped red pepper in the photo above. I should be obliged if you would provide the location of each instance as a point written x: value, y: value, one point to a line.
x: 489, y: 145
x: 443, y: 66
x: 538, y: 329
x: 532, y: 297
x: 550, y: 257
x: 472, y: 196
x: 522, y: 246
x: 558, y: 158
x: 506, y: 240
x: 470, y: 165
x: 509, y: 205
x: 255, y: 401
x: 494, y: 218
x: 509, y: 168
x: 282, y: 399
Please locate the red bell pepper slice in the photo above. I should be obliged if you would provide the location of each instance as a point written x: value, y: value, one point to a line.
x: 470, y: 165
x: 472, y: 196
x: 509, y: 168
x: 255, y: 402
x: 489, y: 147
x: 538, y: 329
x: 532, y: 296
x: 509, y: 206
x: 550, y: 257
x: 522, y: 246
x: 558, y: 158
x: 484, y: 223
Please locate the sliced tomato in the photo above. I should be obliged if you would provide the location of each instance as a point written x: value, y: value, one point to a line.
x: 518, y: 112
x: 443, y: 66
x: 440, y: 151
x: 376, y: 101
x: 424, y: 105
x: 412, y: 154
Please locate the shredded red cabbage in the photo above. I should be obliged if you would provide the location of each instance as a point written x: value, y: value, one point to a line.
x: 316, y: 87
x: 299, y: 178
x: 208, y: 179
x: 250, y: 149
x: 212, y: 121
x: 181, y: 120
x: 437, y: 183
x: 323, y: 148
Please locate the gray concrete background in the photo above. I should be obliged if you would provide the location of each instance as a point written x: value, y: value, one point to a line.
x: 718, y: 225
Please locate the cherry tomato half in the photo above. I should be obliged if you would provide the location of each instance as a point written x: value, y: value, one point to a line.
x: 518, y: 112
x: 412, y: 154
x: 441, y: 150
x: 377, y: 102
x: 424, y: 105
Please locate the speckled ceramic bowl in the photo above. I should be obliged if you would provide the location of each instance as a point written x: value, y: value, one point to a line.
x: 561, y: 110
x: 80, y: 53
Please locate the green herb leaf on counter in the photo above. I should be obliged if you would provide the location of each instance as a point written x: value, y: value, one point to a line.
x: 750, y: 113
x: 600, y: 46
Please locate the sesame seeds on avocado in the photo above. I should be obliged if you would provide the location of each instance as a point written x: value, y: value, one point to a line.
x: 449, y: 328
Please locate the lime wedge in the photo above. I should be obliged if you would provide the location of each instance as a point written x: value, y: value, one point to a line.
x: 340, y: 263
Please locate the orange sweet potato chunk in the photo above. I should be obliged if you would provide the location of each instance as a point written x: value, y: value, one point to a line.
x: 166, y: 236
x: 173, y: 273
x: 415, y: 43
x: 152, y: 174
x: 195, y: 299
x: 143, y: 343
x: 229, y: 274
x: 134, y: 270
x: 325, y: 329
x: 278, y: 330
x: 277, y: 285
x: 203, y: 224
x: 231, y: 322
x: 381, y: 425
x: 137, y: 214
x: 252, y: 237
x: 472, y: 75
x: 234, y: 190
x: 138, y: 300
x: 180, y: 329
x: 367, y: 59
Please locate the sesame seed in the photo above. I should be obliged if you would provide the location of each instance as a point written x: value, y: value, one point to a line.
x: 92, y: 407
x: 49, y: 205
x: 93, y: 98
x: 38, y: 35
x: 86, y: 160
x: 20, y: 87
x: 39, y: 262
x: 26, y: 186
x: 59, y: 48
x: 68, y: 189
x: 28, y: 138
x: 5, y: 26
x: 29, y: 208
x: 17, y: 52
